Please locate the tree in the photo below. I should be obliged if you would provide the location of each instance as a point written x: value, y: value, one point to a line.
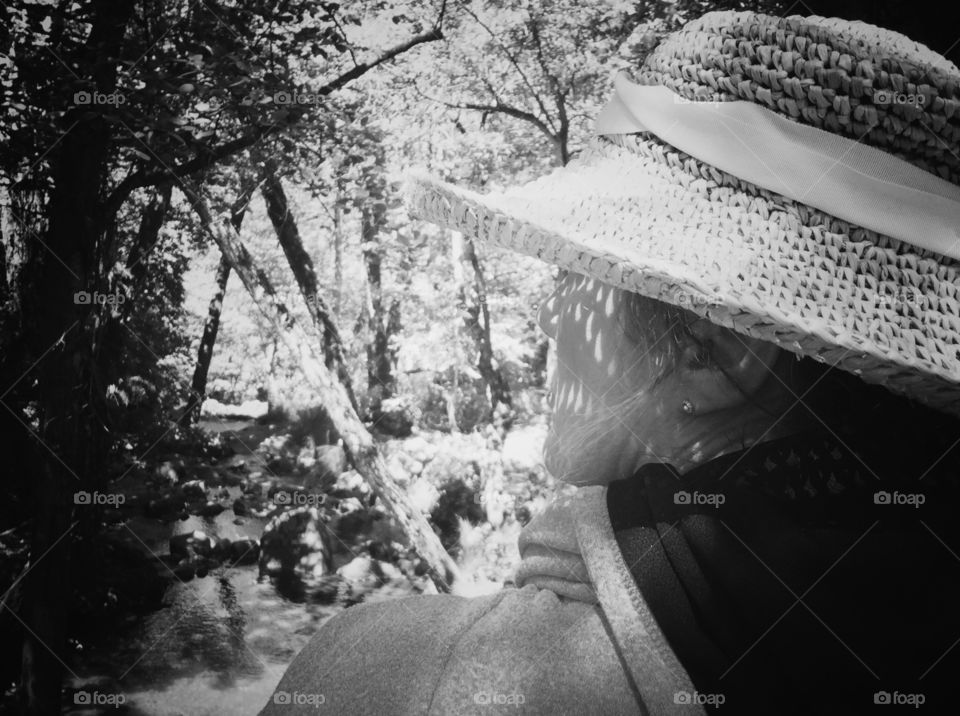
x: 152, y: 93
x: 358, y: 443
x: 198, y: 385
x: 301, y: 265
x: 472, y: 301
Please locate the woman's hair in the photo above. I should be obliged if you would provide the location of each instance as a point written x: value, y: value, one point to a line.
x: 887, y: 431
x: 655, y: 331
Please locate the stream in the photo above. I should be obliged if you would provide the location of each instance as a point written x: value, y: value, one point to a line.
x: 219, y: 645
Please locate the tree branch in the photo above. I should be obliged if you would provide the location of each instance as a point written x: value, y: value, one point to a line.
x: 498, y: 106
x: 516, y: 65
x: 145, y: 177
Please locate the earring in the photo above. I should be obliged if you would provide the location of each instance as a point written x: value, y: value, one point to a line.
x: 688, y: 407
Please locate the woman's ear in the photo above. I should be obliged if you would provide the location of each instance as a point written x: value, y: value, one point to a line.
x: 723, y: 369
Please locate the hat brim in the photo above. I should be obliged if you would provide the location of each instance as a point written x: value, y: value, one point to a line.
x: 641, y: 216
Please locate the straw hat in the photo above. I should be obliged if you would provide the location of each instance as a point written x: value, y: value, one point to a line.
x: 796, y: 179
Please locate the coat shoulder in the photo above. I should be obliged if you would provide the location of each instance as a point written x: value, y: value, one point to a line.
x: 526, y: 649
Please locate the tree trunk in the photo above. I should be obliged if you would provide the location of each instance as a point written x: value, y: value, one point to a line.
x: 358, y: 443
x: 452, y: 402
x: 337, y: 254
x: 198, y: 385
x: 379, y: 368
x: 60, y: 337
x: 302, y: 266
x: 150, y: 223
x: 472, y: 301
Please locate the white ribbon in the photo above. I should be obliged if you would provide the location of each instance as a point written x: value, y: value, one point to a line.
x: 838, y: 175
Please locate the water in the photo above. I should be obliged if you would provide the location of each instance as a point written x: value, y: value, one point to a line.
x: 219, y: 646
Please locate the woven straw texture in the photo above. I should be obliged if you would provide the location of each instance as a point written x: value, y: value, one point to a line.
x: 639, y: 214
x: 850, y: 78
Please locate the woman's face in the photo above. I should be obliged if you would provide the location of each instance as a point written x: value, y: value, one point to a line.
x: 593, y: 359
x: 734, y: 397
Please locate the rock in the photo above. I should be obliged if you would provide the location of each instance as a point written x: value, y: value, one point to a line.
x: 398, y: 469
x: 423, y: 496
x: 365, y: 574
x: 190, y: 544
x: 397, y: 421
x: 307, y: 456
x: 351, y: 526
x: 222, y: 549
x: 194, y: 489
x: 296, y: 542
x: 419, y: 449
x: 240, y: 508
x: 251, y: 487
x: 281, y: 464
x: 383, y: 551
x: 361, y: 571
x: 244, y: 551
x: 327, y: 589
x: 333, y: 458
x: 211, y: 509
x: 389, y: 572
x: 350, y: 483
x: 185, y: 571
x: 458, y: 500
x: 169, y: 472
x: 166, y: 508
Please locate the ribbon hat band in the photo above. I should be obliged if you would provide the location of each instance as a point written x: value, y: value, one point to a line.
x: 838, y: 175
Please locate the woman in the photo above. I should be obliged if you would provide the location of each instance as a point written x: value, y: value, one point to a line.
x: 758, y: 380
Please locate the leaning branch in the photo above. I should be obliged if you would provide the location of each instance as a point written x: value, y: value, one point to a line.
x: 358, y: 443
